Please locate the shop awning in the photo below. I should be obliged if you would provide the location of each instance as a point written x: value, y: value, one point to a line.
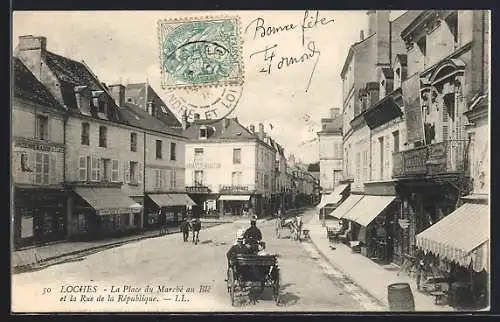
x: 235, y: 197
x: 171, y: 199
x: 365, y: 211
x: 346, y: 206
x: 334, y: 197
x: 461, y: 237
x: 108, y: 201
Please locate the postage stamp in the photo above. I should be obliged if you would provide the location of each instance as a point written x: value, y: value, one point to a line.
x: 202, y: 52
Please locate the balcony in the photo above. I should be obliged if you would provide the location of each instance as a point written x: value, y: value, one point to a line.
x: 203, y: 165
x: 448, y: 157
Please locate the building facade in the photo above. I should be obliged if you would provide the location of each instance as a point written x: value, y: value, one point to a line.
x: 229, y: 169
x: 331, y: 151
x: 37, y: 166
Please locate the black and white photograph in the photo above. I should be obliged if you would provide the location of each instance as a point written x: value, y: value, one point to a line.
x: 250, y: 161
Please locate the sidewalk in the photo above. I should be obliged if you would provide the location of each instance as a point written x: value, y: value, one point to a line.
x: 32, y: 256
x: 368, y: 275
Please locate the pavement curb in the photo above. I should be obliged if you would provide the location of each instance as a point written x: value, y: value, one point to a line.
x: 45, y: 262
x: 382, y: 302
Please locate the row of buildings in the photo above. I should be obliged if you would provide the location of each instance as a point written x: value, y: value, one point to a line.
x: 412, y: 140
x: 90, y: 159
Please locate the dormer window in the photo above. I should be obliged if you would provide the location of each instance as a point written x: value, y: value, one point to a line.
x: 203, y: 132
x: 102, y: 107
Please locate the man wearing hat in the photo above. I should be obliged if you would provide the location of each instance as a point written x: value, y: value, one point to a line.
x: 185, y: 226
x: 238, y: 247
x: 253, y: 235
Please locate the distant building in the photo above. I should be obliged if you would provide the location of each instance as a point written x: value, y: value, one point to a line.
x: 330, y: 151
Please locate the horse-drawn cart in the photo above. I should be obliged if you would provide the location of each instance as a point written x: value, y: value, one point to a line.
x: 251, y: 274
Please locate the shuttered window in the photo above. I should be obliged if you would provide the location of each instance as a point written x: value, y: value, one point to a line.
x: 42, y: 168
x: 53, y: 169
x: 95, y: 171
x: 115, y: 170
x: 173, y: 179
x: 82, y: 168
x: 126, y: 174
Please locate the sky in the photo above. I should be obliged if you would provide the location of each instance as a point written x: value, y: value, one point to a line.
x: 123, y: 47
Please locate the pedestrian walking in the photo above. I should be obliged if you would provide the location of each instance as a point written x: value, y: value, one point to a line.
x: 161, y: 222
x: 196, y: 226
x: 185, y: 227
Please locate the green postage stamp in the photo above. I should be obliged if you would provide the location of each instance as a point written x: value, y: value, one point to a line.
x: 198, y: 52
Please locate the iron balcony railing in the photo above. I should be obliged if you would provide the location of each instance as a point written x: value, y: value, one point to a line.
x: 433, y: 159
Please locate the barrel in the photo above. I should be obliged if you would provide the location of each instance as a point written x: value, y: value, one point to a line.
x: 400, y: 297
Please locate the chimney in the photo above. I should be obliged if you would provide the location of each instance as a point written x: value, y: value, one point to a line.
x: 334, y: 112
x: 372, y: 22
x: 252, y: 128
x: 196, y: 116
x: 31, y: 51
x: 118, y: 93
x: 361, y: 35
x: 184, y: 121
x: 383, y: 36
x: 261, y: 131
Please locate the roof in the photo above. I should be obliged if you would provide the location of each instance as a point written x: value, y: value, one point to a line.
x: 388, y: 73
x: 138, y: 91
x: 403, y: 59
x: 352, y: 49
x: 28, y: 87
x: 138, y: 117
x: 70, y: 74
x: 234, y: 130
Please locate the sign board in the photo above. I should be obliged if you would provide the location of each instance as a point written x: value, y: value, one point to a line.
x: 197, y: 189
x: 38, y: 146
x: 118, y: 211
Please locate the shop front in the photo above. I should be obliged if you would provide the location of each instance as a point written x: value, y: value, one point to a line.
x: 372, y: 220
x: 98, y: 212
x: 234, y: 205
x: 455, y: 253
x: 330, y: 201
x: 173, y: 205
x: 204, y: 199
x: 39, y: 215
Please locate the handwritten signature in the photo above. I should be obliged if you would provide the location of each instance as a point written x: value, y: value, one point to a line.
x: 309, y: 21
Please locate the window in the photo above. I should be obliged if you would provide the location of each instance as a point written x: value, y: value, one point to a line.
x: 42, y: 127
x: 358, y: 165
x: 85, y: 133
x: 115, y: 170
x: 102, y: 107
x: 173, y: 178
x: 198, y: 178
x: 395, y: 136
x: 158, y: 178
x: 42, y: 168
x: 133, y: 142
x: 102, y: 136
x: 134, y: 171
x: 173, y: 146
x: 266, y: 181
x: 159, y: 153
x: 381, y: 152
x: 95, y: 169
x: 82, y: 169
x: 236, y: 156
x: 198, y: 155
x: 236, y: 178
x: 203, y: 132
x: 106, y: 170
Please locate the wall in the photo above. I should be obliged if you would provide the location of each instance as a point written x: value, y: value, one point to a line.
x: 360, y: 156
x: 118, y: 148
x: 386, y: 131
x: 479, y: 156
x: 440, y: 43
x: 218, y: 160
x: 23, y: 126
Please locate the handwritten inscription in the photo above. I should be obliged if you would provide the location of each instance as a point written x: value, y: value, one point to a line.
x: 260, y: 30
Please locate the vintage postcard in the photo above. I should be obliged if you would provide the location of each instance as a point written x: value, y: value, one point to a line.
x: 243, y: 161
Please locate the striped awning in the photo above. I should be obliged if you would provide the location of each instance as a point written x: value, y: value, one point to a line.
x: 332, y: 198
x: 346, y: 206
x: 365, y: 211
x: 461, y: 237
x: 108, y: 201
x: 170, y: 200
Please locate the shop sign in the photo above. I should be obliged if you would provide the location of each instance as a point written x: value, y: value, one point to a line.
x: 225, y: 189
x: 117, y: 211
x: 197, y: 189
x: 38, y: 146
